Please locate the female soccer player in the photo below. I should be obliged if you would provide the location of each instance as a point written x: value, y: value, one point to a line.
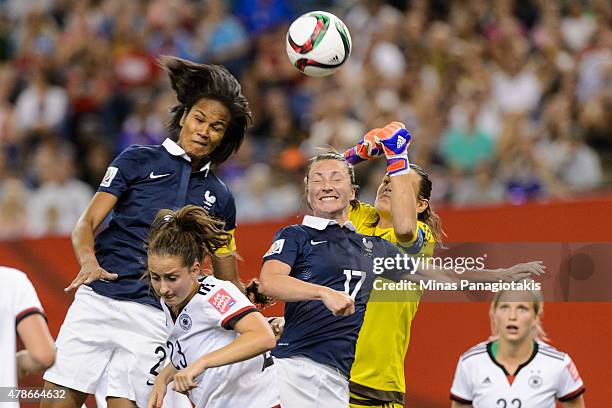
x: 217, y: 338
x: 324, y: 270
x: 22, y: 314
x: 516, y: 369
x: 402, y: 215
x: 114, y: 333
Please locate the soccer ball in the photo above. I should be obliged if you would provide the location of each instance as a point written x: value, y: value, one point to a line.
x: 318, y: 43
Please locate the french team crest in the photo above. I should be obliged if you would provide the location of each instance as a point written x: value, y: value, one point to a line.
x: 368, y: 246
x: 185, y: 322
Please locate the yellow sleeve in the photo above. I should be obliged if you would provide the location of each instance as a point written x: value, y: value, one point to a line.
x: 363, y: 217
x: 230, y: 248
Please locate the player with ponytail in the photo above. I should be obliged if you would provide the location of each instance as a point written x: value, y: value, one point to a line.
x: 217, y: 339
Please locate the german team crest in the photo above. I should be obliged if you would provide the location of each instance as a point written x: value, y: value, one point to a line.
x: 185, y: 322
x: 535, y: 381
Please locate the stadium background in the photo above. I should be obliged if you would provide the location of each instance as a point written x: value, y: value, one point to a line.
x: 508, y: 102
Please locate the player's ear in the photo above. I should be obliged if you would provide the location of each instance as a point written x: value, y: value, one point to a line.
x: 196, y: 269
x: 422, y: 205
x: 183, y: 117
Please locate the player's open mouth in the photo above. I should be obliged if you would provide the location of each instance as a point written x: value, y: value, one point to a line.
x: 512, y: 329
x: 328, y: 198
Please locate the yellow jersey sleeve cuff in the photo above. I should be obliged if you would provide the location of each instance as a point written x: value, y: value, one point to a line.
x: 230, y: 248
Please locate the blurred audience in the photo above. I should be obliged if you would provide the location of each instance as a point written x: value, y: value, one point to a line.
x: 508, y: 101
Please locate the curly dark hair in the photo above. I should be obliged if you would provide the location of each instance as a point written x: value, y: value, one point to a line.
x: 191, y: 83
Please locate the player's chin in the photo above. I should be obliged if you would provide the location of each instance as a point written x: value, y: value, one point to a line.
x: 171, y: 300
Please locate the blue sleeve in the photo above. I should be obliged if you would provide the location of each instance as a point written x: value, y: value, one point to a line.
x: 229, y: 212
x: 285, y: 247
x: 121, y: 173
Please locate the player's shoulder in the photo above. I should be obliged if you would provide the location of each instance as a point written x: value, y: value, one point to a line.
x: 361, y: 208
x: 12, y: 276
x: 136, y: 155
x: 547, y: 351
x: 296, y: 230
x: 478, y: 351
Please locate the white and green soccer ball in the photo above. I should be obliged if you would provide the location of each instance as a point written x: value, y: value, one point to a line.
x: 318, y: 43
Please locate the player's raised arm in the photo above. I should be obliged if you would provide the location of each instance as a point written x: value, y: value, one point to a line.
x: 83, y: 240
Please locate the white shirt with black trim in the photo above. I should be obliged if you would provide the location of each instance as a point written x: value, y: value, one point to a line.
x: 206, y: 324
x: 548, y: 375
x: 18, y: 300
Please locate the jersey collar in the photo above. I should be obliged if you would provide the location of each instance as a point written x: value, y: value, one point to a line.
x: 174, y: 149
x: 322, y: 223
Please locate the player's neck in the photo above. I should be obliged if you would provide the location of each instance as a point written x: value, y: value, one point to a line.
x: 340, y: 217
x: 177, y: 309
x: 514, y: 354
x: 384, y: 222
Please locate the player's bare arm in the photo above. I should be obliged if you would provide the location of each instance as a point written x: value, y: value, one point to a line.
x: 512, y: 274
x: 166, y: 375
x: 574, y: 403
x: 275, y: 282
x: 256, y: 337
x: 225, y: 267
x: 83, y: 240
x: 39, y: 352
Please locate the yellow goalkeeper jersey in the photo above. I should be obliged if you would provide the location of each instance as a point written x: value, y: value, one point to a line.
x: 378, y: 370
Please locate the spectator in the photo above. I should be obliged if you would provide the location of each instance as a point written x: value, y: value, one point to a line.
x: 56, y: 205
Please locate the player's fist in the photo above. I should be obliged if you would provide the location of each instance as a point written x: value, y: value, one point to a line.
x: 339, y: 303
x: 184, y: 380
x: 90, y: 271
x: 393, y: 139
x: 366, y: 149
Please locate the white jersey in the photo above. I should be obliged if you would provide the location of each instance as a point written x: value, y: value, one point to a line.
x: 206, y: 324
x: 18, y: 300
x: 548, y: 375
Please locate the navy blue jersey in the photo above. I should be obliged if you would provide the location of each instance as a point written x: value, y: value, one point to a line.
x: 146, y: 179
x: 336, y: 257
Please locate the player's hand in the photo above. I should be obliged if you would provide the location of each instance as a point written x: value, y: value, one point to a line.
x: 366, y: 149
x: 157, y: 394
x: 523, y: 271
x: 90, y: 271
x: 394, y: 141
x: 184, y: 380
x: 339, y: 303
x: 278, y: 326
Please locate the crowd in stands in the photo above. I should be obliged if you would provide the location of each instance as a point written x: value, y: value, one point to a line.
x: 506, y: 100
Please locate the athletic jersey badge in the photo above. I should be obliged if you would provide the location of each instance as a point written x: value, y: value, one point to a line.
x: 110, y: 174
x: 209, y: 199
x: 535, y: 381
x: 367, y: 246
x: 185, y: 322
x: 222, y: 301
x: 277, y: 247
